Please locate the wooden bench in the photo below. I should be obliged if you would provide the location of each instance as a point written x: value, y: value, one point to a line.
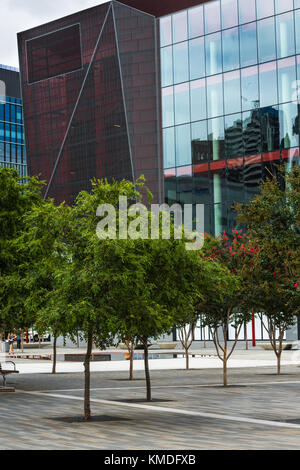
x: 5, y: 372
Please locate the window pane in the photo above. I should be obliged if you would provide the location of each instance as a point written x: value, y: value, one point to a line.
x: 181, y: 62
x: 169, y: 147
x: 182, y: 103
x: 266, y: 40
x: 212, y: 17
x: 229, y: 13
x: 283, y: 5
x: 215, y: 96
x: 199, y: 142
x: 297, y: 3
x: 232, y: 92
x: 247, y: 11
x: 265, y: 8
x: 268, y: 84
x: 165, y: 31
x: 286, y: 79
x: 168, y: 107
x: 231, y: 50
x: 250, y: 97
x: 216, y: 139
x: 180, y: 27
x: 197, y: 58
x: 183, y: 145
x: 269, y: 118
x: 297, y: 24
x: 198, y: 100
x: 251, y: 132
x: 213, y: 54
x: 167, y: 66
x: 285, y: 35
x: 288, y: 114
x: 248, y: 44
x: 233, y: 136
x: 196, y: 24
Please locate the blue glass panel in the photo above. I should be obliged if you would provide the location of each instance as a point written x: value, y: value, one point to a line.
x: 266, y: 40
x: 199, y: 142
x: 181, y: 62
x: 7, y: 132
x: 297, y: 30
x: 182, y: 103
x: 2, y: 133
x: 269, y: 118
x: 232, y: 92
x: 268, y: 84
x: 19, y: 117
x: 212, y: 17
x: 215, y: 96
x: 286, y: 79
x: 169, y: 147
x: 197, y: 58
x: 183, y: 145
x: 289, y: 135
x: 248, y: 44
x: 196, y: 22
x: 165, y: 31
x: 250, y: 96
x: 216, y: 139
x: 283, y: 5
x: 231, y: 50
x: 264, y: 8
x: 247, y: 11
x: 198, y: 100
x: 213, y: 54
x: 167, y: 66
x: 285, y: 35
x: 233, y: 136
x: 297, y: 3
x: 229, y: 13
x: 180, y: 27
x: 252, y: 132
x: 168, y: 107
x: 19, y: 153
x: 1, y: 112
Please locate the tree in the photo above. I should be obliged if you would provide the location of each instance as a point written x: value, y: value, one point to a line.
x: 186, y: 336
x: 273, y: 223
x: 227, y: 301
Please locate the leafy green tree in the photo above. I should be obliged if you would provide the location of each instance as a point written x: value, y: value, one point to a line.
x: 273, y: 223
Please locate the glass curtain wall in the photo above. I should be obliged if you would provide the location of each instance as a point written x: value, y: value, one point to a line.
x: 229, y: 71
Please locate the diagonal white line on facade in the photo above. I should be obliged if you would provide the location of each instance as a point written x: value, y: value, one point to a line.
x: 76, y: 104
x: 161, y: 409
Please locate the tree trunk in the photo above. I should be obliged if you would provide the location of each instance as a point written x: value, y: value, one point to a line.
x: 78, y: 342
x: 246, y: 336
x: 187, y: 359
x: 278, y: 363
x: 54, y: 355
x: 147, y: 372
x: 225, y: 383
x: 131, y: 352
x: 87, y: 378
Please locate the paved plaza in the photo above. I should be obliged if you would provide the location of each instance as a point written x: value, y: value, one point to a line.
x: 190, y: 410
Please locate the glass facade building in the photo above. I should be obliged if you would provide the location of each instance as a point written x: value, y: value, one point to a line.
x: 229, y: 91
x: 12, y: 145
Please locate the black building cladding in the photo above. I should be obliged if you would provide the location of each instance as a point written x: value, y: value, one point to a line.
x: 90, y: 91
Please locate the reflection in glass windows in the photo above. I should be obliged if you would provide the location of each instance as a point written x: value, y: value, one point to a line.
x: 165, y: 31
x: 247, y: 11
x: 182, y: 103
x: 248, y: 44
x: 229, y: 13
x: 266, y: 40
x: 264, y: 8
x: 198, y: 100
x: 213, y: 54
x: 231, y: 49
x: 168, y: 107
x: 268, y: 84
x: 232, y: 93
x: 180, y: 28
x: 249, y: 86
x: 181, y: 62
x: 183, y: 145
x: 233, y: 136
x: 216, y: 139
x: 269, y: 118
x: 202, y: 187
x: 251, y: 132
x: 185, y: 185
x: 289, y: 131
x: 285, y: 35
x: 212, y: 17
x: 196, y: 22
x: 283, y: 5
x: 169, y: 147
x: 199, y: 142
x: 286, y: 79
x: 167, y: 66
x: 215, y: 96
x: 297, y: 30
x: 197, y: 58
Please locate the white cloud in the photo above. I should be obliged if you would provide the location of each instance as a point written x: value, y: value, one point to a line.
x: 20, y: 15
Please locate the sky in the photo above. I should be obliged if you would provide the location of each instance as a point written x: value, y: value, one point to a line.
x: 20, y: 15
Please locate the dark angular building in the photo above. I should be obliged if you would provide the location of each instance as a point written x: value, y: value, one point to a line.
x: 12, y: 145
x: 90, y: 90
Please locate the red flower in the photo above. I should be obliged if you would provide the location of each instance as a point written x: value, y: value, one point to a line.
x: 296, y: 285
